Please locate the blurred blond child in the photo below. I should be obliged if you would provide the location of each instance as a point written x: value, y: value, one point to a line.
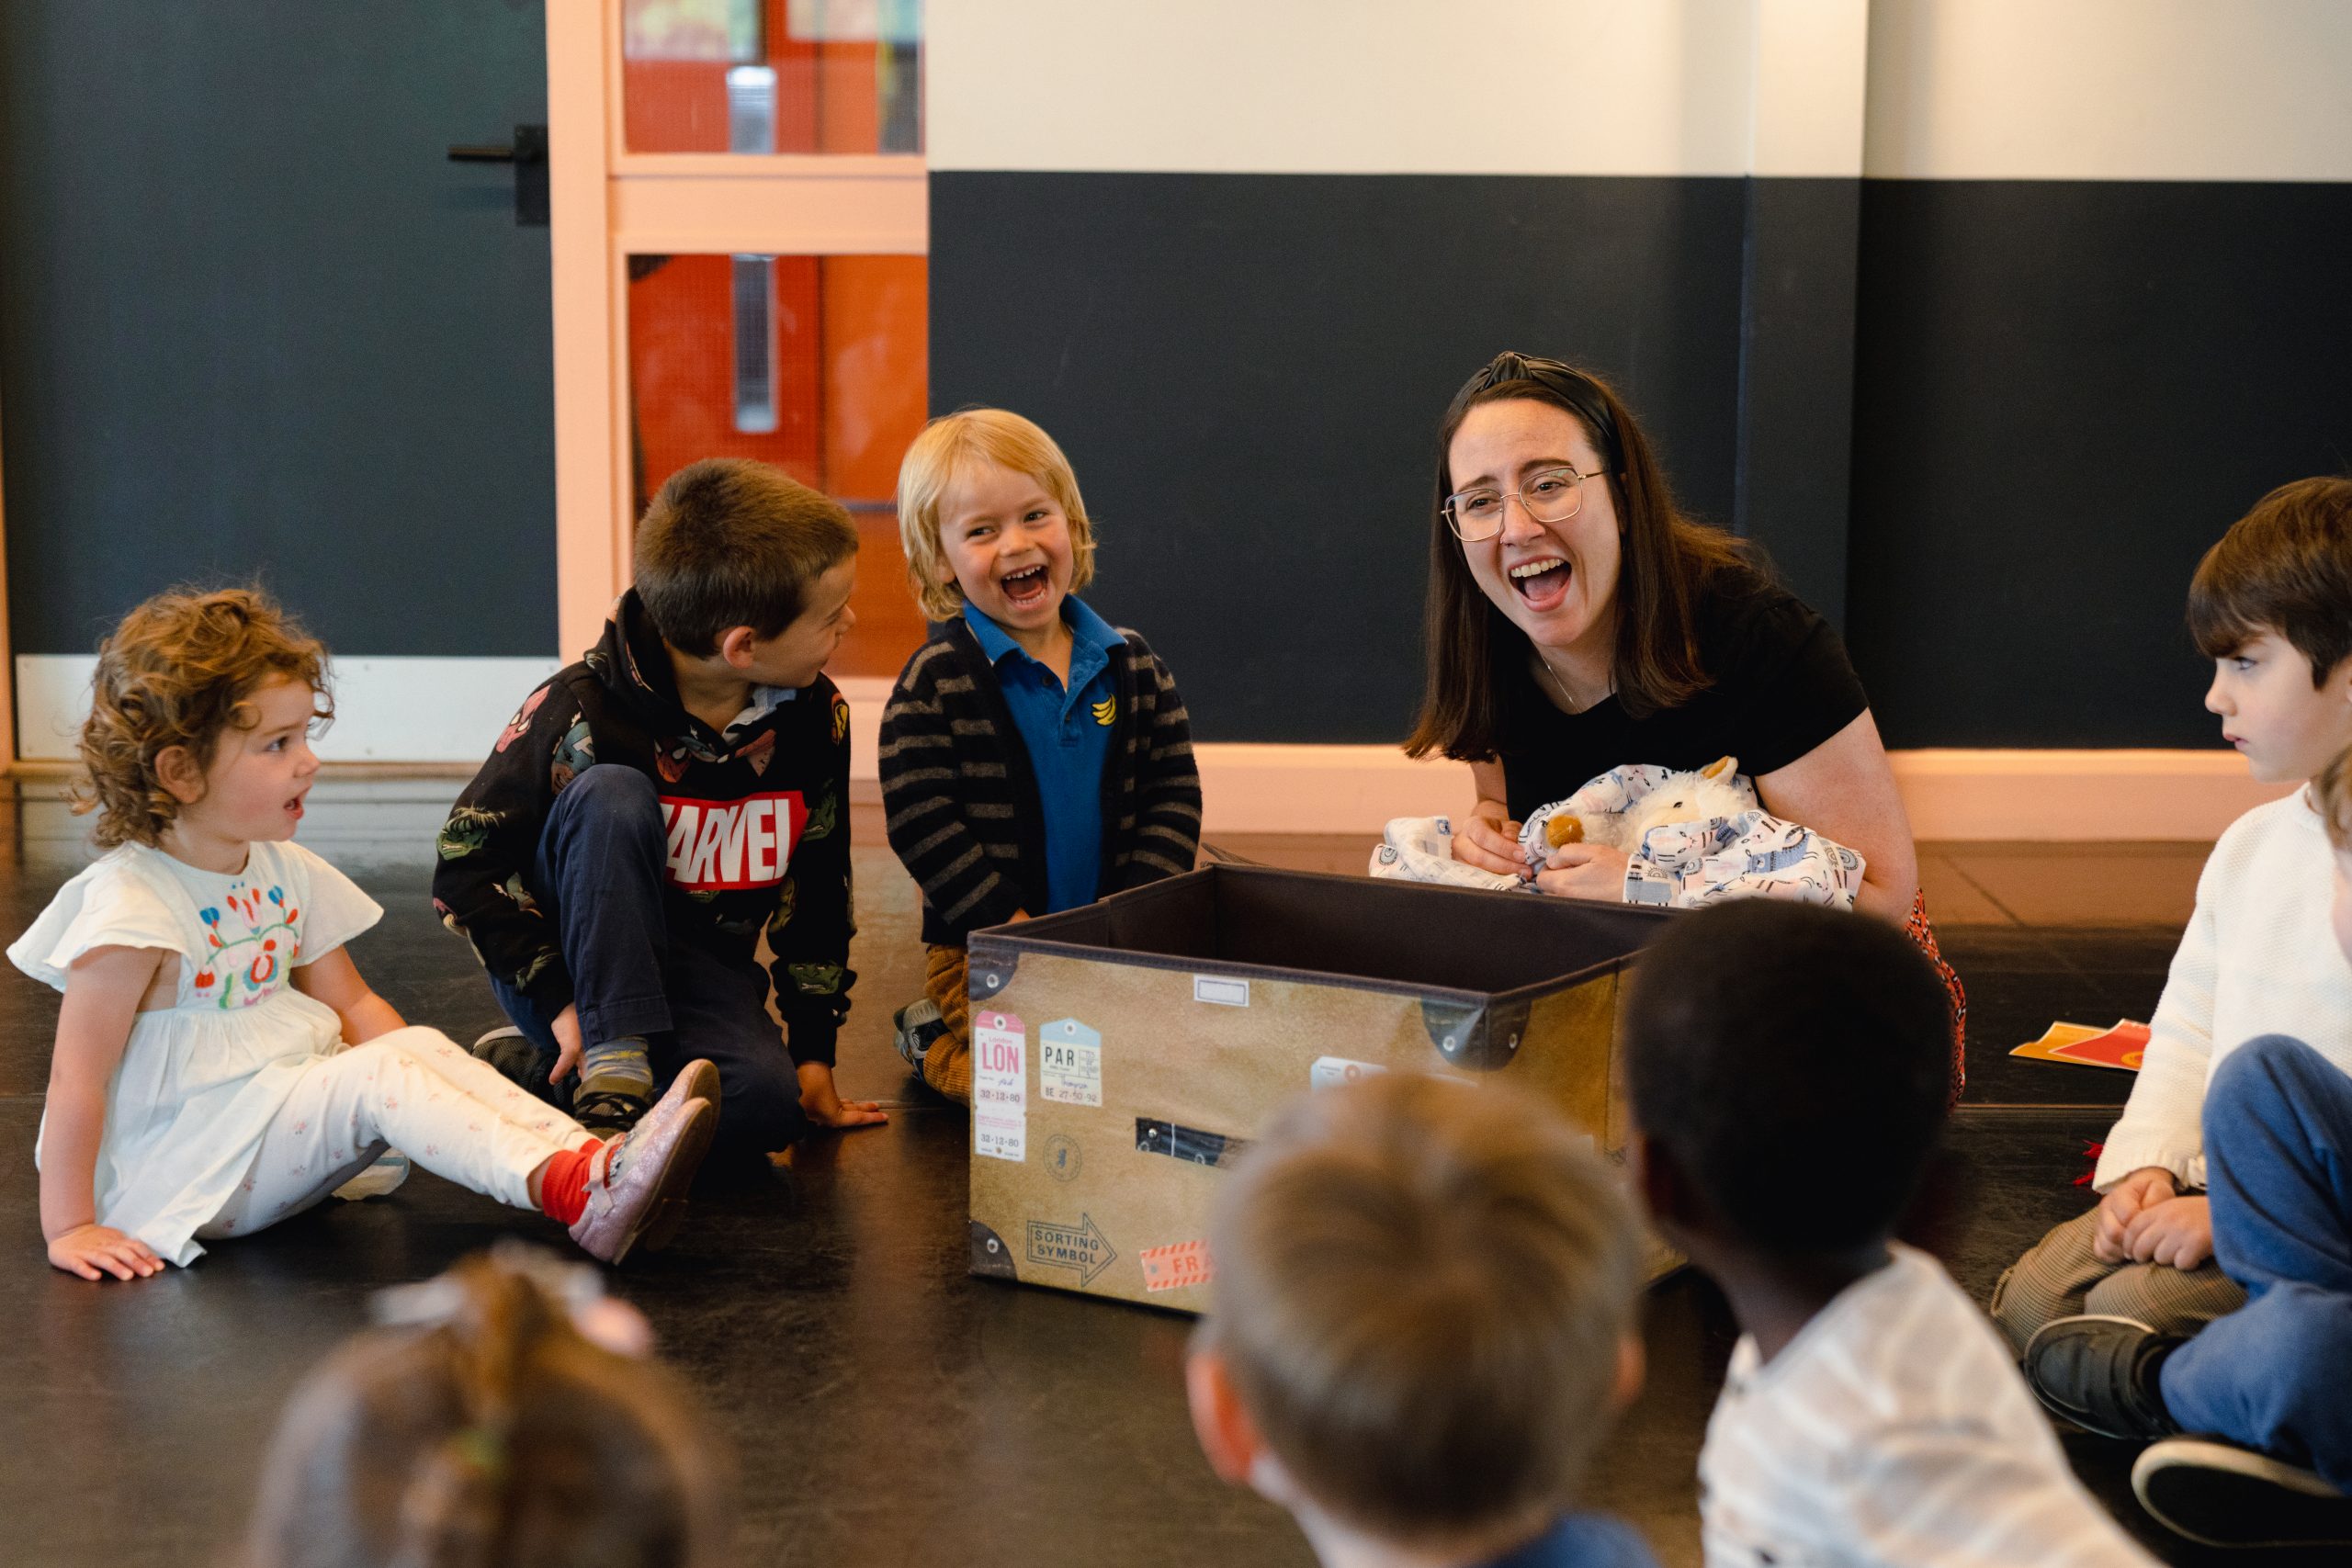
x: 1421, y: 1328
x: 502, y: 1420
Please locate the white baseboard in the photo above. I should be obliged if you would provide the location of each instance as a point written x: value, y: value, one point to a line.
x: 449, y: 710
x: 387, y: 710
x: 1989, y: 794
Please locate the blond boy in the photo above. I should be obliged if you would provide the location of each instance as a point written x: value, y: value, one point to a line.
x: 1422, y: 1327
x: 1033, y: 757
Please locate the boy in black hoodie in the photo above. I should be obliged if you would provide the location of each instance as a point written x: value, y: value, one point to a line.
x: 654, y: 808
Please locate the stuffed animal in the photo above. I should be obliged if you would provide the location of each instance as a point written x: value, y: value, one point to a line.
x: 1711, y: 791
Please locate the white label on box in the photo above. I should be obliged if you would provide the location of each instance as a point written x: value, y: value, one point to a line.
x: 1223, y: 992
x: 1329, y: 1072
x: 999, y: 1087
x: 1069, y: 1062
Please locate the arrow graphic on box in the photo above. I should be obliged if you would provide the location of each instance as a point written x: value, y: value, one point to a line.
x: 1081, y: 1247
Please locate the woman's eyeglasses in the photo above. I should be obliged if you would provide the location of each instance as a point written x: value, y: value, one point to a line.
x: 1550, y: 495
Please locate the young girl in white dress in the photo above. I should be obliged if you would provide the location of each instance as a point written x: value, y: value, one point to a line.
x: 219, y: 1062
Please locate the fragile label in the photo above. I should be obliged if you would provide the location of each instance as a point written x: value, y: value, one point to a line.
x: 1329, y: 1072
x: 1069, y: 1062
x: 999, y: 1087
x: 1220, y: 990
x: 1174, y: 1266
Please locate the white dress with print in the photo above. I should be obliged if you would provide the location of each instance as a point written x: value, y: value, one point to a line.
x: 199, y: 1081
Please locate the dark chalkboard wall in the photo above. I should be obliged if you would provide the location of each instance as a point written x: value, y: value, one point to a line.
x: 2064, y: 393
x: 252, y: 321
x: 1246, y: 372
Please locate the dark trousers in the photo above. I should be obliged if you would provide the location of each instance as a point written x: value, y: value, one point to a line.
x: 598, y: 876
x: 2270, y: 1375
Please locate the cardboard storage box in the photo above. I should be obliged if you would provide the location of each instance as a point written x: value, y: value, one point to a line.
x: 1123, y: 1052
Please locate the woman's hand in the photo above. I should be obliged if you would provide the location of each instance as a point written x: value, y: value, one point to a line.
x: 1489, y: 842
x: 86, y: 1249
x: 825, y: 1106
x: 2144, y: 1188
x: 1584, y: 871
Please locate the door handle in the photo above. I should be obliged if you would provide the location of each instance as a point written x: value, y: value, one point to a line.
x: 529, y: 156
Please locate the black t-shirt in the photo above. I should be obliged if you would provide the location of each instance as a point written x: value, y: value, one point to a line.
x: 1781, y: 687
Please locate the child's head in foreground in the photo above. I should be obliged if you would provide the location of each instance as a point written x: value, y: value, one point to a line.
x: 496, y: 1437
x: 1787, y: 1067
x: 990, y: 515
x: 1422, y: 1313
x: 740, y: 566
x: 201, y: 710
x: 2271, y: 605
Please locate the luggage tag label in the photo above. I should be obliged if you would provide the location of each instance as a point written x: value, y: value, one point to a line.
x: 999, y: 1087
x: 1069, y: 1062
x: 1221, y: 990
x: 1174, y: 1267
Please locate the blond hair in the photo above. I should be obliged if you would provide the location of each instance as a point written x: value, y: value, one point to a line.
x: 179, y: 669
x: 1422, y: 1289
x: 2332, y: 793
x: 498, y: 1437
x: 946, y: 448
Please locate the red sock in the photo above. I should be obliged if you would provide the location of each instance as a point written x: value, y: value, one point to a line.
x: 563, y: 1185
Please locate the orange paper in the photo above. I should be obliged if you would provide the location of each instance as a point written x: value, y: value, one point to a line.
x: 2122, y: 1045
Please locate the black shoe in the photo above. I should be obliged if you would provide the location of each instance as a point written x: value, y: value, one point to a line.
x: 2101, y: 1373
x: 606, y: 1111
x: 2225, y: 1496
x: 518, y: 1061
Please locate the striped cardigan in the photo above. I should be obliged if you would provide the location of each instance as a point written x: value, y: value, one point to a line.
x: 965, y: 815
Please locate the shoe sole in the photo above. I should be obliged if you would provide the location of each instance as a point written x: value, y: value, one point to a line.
x: 2077, y: 1418
x: 701, y: 1082
x: 666, y: 1211
x: 2238, y: 1486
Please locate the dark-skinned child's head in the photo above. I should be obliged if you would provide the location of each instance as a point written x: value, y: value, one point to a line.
x: 1788, y: 1068
x: 744, y: 569
x: 1421, y: 1321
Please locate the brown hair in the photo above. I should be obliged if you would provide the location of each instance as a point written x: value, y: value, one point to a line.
x: 2284, y: 567
x: 499, y: 1438
x: 945, y: 447
x: 2332, y: 793
x: 1422, y: 1291
x: 1664, y: 558
x: 179, y: 669
x: 727, y: 543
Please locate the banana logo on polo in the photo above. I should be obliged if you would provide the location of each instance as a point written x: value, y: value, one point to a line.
x: 1106, y: 712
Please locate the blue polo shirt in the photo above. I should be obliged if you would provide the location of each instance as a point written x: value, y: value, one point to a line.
x: 1068, y: 732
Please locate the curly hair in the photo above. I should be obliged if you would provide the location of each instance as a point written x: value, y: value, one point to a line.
x: 179, y: 669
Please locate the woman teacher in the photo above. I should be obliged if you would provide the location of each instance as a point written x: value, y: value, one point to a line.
x: 1578, y: 623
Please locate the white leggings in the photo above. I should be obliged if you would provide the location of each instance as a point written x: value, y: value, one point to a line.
x: 415, y: 1088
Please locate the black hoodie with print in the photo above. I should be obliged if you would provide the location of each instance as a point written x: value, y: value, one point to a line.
x: 757, y: 820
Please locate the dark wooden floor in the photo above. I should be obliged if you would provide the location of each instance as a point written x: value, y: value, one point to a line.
x: 883, y: 1407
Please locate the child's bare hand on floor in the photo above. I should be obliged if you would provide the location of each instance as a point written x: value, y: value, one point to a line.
x: 2178, y: 1230
x: 2149, y: 1185
x: 86, y: 1249
x: 825, y: 1106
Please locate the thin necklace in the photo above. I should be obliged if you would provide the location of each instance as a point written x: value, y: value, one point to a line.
x: 1562, y: 686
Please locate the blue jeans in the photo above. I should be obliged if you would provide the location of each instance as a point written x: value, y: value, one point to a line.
x: 597, y: 876
x: 2270, y: 1375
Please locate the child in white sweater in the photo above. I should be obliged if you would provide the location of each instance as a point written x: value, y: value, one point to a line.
x: 2271, y: 604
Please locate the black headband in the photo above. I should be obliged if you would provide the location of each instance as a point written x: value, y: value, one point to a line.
x: 1570, y: 386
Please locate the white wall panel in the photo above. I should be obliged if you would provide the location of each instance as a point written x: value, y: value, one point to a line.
x: 387, y: 710
x: 2111, y: 90
x: 1347, y: 87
